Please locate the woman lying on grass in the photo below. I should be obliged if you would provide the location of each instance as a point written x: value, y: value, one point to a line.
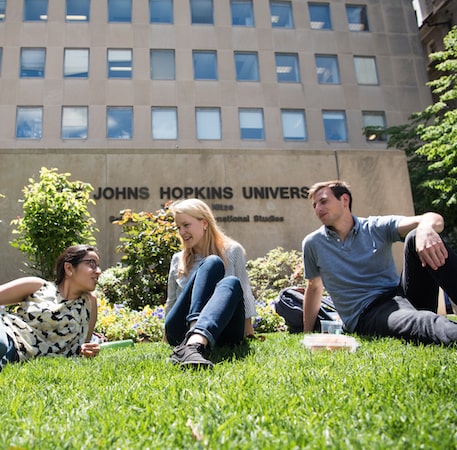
x: 52, y: 318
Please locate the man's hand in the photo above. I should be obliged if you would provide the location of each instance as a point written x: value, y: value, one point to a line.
x: 430, y: 247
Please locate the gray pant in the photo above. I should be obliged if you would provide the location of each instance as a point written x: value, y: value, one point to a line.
x: 410, y: 312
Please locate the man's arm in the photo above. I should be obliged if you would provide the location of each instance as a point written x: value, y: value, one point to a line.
x: 312, y: 303
x: 429, y: 246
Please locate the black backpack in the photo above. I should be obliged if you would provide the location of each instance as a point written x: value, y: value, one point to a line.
x: 289, y: 304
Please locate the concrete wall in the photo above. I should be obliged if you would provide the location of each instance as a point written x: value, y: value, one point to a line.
x: 379, y: 181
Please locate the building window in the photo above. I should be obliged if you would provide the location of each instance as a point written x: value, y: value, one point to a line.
x: 78, y: 11
x: 374, y: 123
x: 281, y: 15
x: 120, y: 11
x: 205, y: 65
x: 287, y: 67
x: 29, y: 122
x: 119, y: 122
x: 164, y: 123
x: 335, y: 126
x: 161, y: 11
x: 74, y: 122
x: 246, y: 66
x: 327, y: 69
x: 293, y: 125
x: 251, y: 124
x: 76, y: 63
x: 357, y: 17
x: 242, y: 13
x: 365, y: 70
x: 2, y: 10
x: 319, y: 16
x: 119, y: 63
x: 201, y: 12
x: 35, y: 10
x: 208, y: 122
x: 32, y: 62
x: 163, y: 65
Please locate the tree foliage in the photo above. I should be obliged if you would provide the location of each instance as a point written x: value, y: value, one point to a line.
x: 55, y: 217
x: 430, y: 141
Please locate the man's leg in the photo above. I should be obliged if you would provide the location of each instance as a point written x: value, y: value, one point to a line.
x: 420, y: 284
x: 397, y: 317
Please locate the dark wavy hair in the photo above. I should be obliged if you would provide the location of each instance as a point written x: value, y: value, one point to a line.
x: 338, y: 188
x: 73, y: 254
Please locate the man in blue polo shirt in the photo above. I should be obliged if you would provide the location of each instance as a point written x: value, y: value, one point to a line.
x: 352, y: 258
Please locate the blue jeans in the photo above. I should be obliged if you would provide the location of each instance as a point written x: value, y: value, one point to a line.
x: 7, y: 351
x: 214, y: 302
x: 410, y: 311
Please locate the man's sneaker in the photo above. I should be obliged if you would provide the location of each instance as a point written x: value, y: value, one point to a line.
x: 190, y: 356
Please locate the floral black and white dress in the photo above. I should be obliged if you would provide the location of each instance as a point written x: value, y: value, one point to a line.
x: 46, y: 324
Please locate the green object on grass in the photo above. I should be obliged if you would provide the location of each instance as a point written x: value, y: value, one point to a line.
x: 116, y: 344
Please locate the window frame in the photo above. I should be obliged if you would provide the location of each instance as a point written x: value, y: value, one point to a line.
x: 334, y: 69
x: 202, y: 117
x: 341, y: 126
x: 239, y: 19
x: 252, y: 66
x: 285, y: 126
x: 116, y: 16
x: 251, y: 133
x: 196, y: 18
x: 281, y: 68
x: 174, y: 121
x: 279, y: 20
x: 30, y: 109
x: 163, y: 66
x: 84, y: 124
x: 2, y: 10
x: 119, y: 65
x: 84, y: 72
x: 167, y: 18
x: 361, y: 25
x: 377, y: 135
x: 81, y: 12
x: 315, y: 21
x: 363, y: 78
x: 109, y: 130
x: 201, y: 59
x: 35, y: 11
x: 38, y: 72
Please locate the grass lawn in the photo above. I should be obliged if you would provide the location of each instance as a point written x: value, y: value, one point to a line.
x: 271, y: 394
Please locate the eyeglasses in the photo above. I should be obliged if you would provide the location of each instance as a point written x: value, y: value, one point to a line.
x: 91, y: 262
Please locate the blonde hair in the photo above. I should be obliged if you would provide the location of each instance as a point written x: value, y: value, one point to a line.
x: 214, y: 240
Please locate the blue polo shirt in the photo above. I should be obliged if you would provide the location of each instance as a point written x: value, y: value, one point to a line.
x: 357, y: 270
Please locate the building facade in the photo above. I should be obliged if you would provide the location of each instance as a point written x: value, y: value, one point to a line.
x: 242, y: 103
x: 435, y: 20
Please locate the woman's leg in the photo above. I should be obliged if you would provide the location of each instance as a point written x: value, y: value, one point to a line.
x: 222, y: 319
x: 193, y: 298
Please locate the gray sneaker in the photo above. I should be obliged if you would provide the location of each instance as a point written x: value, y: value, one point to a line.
x: 190, y: 356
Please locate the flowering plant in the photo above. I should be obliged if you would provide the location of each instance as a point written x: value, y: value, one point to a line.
x: 118, y: 322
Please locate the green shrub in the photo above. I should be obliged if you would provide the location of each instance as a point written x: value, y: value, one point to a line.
x: 55, y: 217
x: 277, y: 270
x: 147, y: 242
